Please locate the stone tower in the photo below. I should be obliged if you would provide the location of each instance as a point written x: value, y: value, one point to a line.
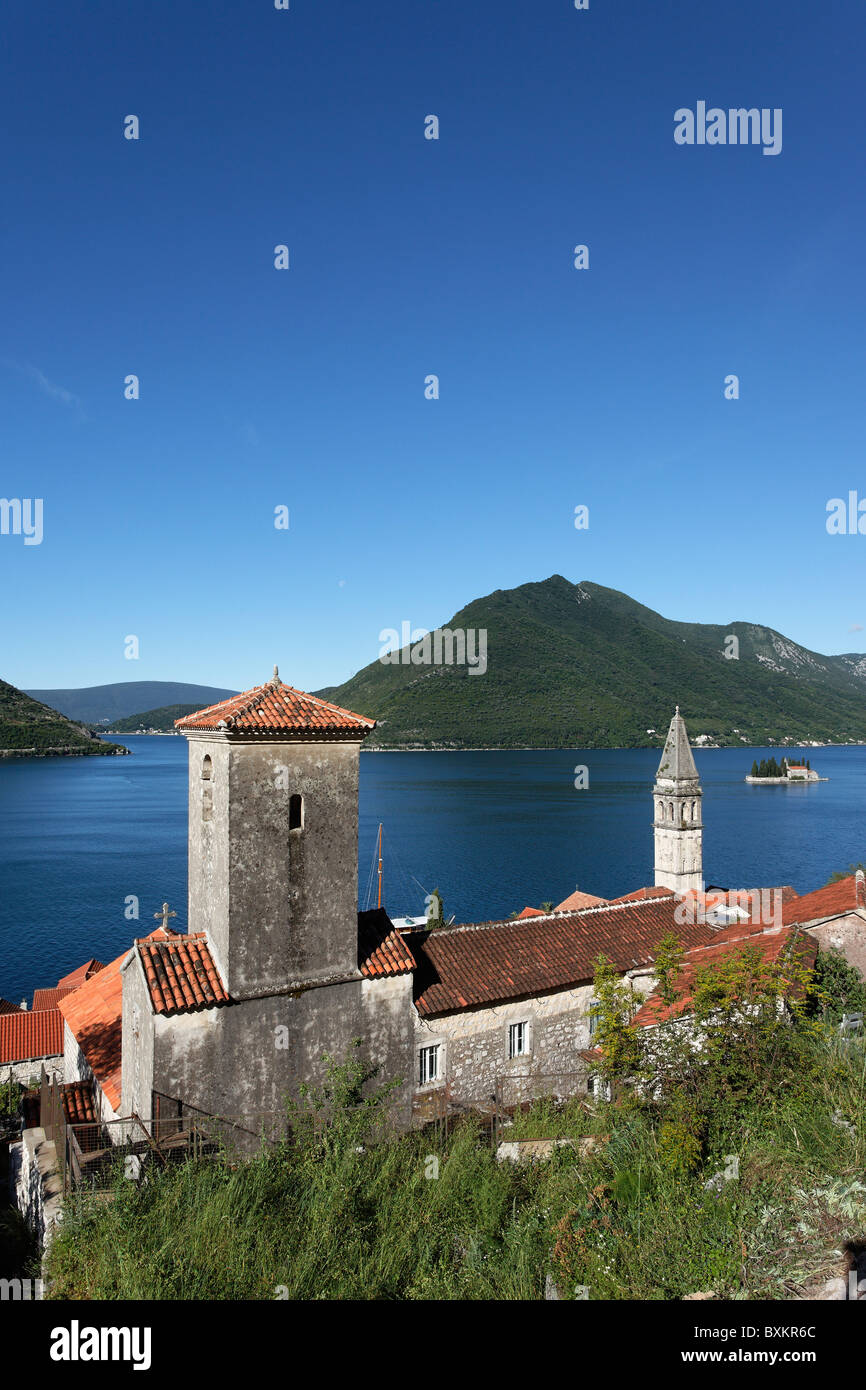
x: 273, y: 838
x: 677, y: 826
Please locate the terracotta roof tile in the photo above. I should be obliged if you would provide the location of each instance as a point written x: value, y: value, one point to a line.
x: 78, y: 1104
x: 181, y: 974
x: 28, y: 1035
x: 278, y: 708
x: 641, y: 895
x: 470, y: 966
x: 49, y: 998
x: 773, y: 947
x: 82, y: 974
x: 531, y: 912
x: 576, y: 901
x: 94, y: 1013
x: 829, y: 901
x: 7, y: 1008
x: 382, y: 950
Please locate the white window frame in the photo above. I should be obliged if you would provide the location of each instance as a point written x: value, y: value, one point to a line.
x: 438, y: 1050
x: 526, y: 1038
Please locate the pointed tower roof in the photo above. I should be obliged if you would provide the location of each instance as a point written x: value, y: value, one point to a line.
x: 275, y: 708
x: 677, y: 764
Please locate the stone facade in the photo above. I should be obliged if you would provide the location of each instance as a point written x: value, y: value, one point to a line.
x: 474, y: 1047
x: 847, y: 934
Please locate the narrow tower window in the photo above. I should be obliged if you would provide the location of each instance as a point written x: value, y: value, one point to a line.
x: 207, y: 788
x: 296, y: 812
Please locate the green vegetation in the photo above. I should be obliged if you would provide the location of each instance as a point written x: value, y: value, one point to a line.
x: 435, y: 910
x: 839, y: 874
x: 161, y: 719
x: 582, y: 666
x: 652, y: 1206
x: 768, y: 767
x: 27, y: 727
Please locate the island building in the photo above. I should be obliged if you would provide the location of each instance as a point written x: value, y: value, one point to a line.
x: 278, y: 967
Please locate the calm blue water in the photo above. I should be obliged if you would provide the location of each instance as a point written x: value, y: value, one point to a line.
x: 493, y: 831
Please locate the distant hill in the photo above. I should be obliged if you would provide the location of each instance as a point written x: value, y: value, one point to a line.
x: 95, y: 703
x: 29, y: 727
x: 161, y: 719
x: 582, y: 666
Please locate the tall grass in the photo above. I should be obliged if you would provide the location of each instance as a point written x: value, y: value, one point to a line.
x: 349, y: 1219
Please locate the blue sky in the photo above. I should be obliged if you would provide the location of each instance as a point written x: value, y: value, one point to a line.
x: 305, y: 388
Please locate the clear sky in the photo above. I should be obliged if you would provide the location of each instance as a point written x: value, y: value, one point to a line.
x: 304, y: 388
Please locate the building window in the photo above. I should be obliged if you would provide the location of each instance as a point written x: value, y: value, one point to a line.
x: 296, y: 812
x: 518, y: 1039
x: 593, y: 1017
x: 206, y: 768
x: 428, y: 1065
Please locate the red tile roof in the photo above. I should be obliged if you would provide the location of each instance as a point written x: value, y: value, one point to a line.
x: 27, y: 1036
x: 278, y: 708
x: 644, y: 895
x: 829, y: 901
x: 49, y: 998
x: 382, y: 950
x: 576, y: 901
x: 78, y: 1104
x: 7, y: 1008
x: 79, y: 976
x: 774, y: 946
x: 470, y: 966
x: 94, y: 1013
x: 181, y: 974
x: 531, y: 912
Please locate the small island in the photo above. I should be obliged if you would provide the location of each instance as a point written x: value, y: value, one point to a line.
x: 768, y: 771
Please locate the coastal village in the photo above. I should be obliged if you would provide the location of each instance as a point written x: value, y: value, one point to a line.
x: 277, y: 967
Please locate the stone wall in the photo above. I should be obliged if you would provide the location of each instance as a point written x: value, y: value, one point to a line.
x: 34, y: 1177
x: 847, y: 934
x: 474, y: 1047
x: 244, y: 1059
x: 25, y: 1072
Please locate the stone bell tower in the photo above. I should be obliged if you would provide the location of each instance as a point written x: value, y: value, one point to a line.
x: 273, y: 838
x: 677, y: 827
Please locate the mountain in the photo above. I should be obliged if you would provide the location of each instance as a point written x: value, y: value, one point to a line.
x: 28, y: 727
x: 95, y: 704
x: 161, y: 719
x: 582, y: 666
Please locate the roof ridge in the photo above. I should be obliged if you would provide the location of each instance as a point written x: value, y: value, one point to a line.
x: 543, y: 917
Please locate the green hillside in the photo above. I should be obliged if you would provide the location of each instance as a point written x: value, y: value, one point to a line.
x: 28, y: 727
x: 579, y: 665
x: 161, y: 719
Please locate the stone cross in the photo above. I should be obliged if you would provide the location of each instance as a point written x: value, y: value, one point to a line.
x: 164, y: 915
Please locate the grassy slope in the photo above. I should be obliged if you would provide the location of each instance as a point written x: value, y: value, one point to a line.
x: 25, y: 724
x: 337, y: 1223
x: 584, y: 666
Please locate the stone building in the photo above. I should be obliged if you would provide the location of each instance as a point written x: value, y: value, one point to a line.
x: 278, y: 967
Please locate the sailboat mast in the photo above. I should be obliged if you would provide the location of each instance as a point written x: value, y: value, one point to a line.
x: 380, y: 865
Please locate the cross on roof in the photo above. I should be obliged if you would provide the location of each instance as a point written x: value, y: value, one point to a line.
x: 164, y: 915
